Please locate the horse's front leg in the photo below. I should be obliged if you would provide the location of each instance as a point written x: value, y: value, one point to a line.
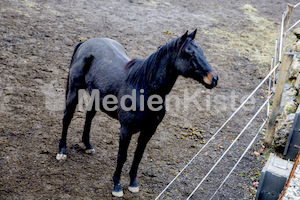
x: 125, y: 137
x: 142, y: 142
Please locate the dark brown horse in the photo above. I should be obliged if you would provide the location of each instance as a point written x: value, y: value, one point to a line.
x: 102, y: 64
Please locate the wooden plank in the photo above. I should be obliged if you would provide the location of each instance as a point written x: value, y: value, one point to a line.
x: 296, y: 163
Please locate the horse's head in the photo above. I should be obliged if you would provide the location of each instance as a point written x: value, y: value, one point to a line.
x: 191, y: 62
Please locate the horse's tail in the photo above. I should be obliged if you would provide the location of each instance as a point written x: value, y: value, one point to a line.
x: 76, y: 47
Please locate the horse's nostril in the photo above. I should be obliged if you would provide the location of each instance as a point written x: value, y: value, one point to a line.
x: 215, y: 80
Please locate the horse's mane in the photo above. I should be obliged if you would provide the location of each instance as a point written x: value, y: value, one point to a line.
x: 142, y: 72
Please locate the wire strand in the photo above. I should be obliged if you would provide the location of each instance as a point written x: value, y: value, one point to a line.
x: 296, y: 5
x: 236, y: 164
x: 229, y: 148
x: 293, y: 26
x: 193, y: 158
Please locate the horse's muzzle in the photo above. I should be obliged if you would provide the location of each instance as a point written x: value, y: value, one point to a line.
x: 211, y: 80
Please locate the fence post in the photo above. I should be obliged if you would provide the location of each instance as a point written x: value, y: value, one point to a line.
x: 286, y: 63
x: 281, y: 40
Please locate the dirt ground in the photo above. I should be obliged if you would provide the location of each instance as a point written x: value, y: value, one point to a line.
x: 37, y: 39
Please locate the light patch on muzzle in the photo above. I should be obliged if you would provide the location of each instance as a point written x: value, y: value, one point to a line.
x: 208, y: 79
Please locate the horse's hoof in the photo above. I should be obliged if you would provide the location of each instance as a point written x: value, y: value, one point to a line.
x: 133, y: 186
x: 117, y: 191
x: 90, y: 151
x: 117, y: 194
x: 134, y: 189
x: 61, y: 156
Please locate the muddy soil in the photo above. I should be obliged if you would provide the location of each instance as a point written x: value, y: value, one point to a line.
x: 37, y: 39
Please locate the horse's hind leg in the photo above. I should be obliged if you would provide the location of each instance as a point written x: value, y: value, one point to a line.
x: 86, y: 132
x: 71, y: 102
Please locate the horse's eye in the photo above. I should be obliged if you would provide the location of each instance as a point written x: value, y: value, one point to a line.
x: 189, y: 51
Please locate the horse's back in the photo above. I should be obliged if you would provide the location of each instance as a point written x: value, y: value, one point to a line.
x: 103, y: 50
x: 100, y: 62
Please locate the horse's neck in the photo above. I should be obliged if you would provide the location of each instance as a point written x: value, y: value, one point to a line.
x: 164, y: 77
x: 156, y: 74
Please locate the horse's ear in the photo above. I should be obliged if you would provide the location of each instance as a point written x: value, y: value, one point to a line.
x: 193, y: 34
x: 183, y: 37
